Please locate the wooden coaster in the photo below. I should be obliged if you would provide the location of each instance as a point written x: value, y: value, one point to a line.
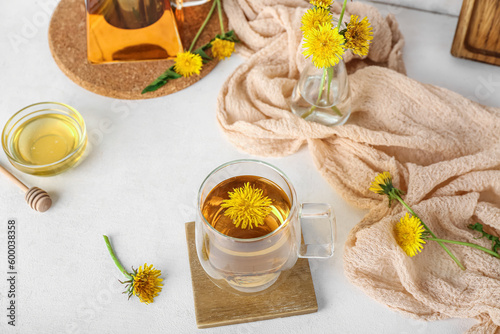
x: 68, y: 44
x: 217, y: 307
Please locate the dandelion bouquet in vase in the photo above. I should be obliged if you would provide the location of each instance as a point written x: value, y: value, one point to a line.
x: 322, y: 92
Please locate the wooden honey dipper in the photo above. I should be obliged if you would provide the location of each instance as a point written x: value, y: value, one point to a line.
x: 36, y: 198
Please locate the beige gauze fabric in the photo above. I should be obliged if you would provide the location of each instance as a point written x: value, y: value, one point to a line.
x: 442, y: 149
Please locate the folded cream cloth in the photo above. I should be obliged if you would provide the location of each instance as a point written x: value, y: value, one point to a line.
x: 442, y: 150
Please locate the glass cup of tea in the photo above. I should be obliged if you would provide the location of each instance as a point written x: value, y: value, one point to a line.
x: 249, y: 226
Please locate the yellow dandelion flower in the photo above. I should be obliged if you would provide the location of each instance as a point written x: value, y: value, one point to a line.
x: 147, y: 283
x: 187, y: 63
x: 247, y: 206
x: 358, y: 35
x: 315, y: 17
x: 321, y: 3
x: 222, y: 49
x: 382, y: 183
x: 409, y: 234
x: 325, y: 45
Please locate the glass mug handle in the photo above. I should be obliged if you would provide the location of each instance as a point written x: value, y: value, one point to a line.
x: 317, y: 222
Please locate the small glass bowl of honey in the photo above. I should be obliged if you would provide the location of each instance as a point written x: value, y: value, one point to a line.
x: 45, y: 138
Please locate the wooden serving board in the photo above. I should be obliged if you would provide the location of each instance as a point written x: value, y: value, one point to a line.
x: 219, y: 307
x: 68, y: 44
x: 478, y: 31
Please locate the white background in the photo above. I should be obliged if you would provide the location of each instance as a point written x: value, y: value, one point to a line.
x: 139, y: 182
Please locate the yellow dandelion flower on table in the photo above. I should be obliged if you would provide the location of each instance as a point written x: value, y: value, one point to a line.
x: 247, y: 206
x: 325, y: 45
x: 382, y: 183
x: 358, y: 35
x: 222, y: 49
x: 409, y: 234
x: 187, y: 64
x: 315, y: 17
x: 147, y: 283
x: 321, y: 3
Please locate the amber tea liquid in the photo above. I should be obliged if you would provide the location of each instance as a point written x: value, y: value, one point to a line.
x: 214, y: 213
x: 128, y: 30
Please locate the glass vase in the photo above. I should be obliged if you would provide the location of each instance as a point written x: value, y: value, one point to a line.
x: 328, y: 103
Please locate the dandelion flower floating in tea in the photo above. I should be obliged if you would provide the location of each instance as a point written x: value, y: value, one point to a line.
x: 247, y: 206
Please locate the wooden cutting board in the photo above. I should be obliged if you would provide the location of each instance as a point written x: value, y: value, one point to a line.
x: 294, y: 295
x: 478, y: 31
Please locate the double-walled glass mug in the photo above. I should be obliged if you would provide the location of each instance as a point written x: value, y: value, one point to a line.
x: 254, y: 264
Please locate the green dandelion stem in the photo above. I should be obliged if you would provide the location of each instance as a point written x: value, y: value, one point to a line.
x: 330, y: 71
x: 489, y: 251
x: 322, y: 84
x: 219, y: 9
x: 337, y: 111
x: 115, y: 259
x: 341, y: 15
x: 395, y: 195
x: 410, y: 210
x: 203, y: 26
x: 309, y: 112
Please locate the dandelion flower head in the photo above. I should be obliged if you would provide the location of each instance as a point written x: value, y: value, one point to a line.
x: 315, y: 17
x: 408, y: 232
x: 247, y: 206
x: 222, y: 49
x: 325, y: 45
x: 321, y: 3
x: 147, y: 283
x: 187, y: 64
x: 358, y: 35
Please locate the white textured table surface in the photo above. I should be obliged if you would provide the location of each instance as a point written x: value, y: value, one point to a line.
x: 139, y: 184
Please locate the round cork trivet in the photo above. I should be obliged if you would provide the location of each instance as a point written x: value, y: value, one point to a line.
x: 68, y: 44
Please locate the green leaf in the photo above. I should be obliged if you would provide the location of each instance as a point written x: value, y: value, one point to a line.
x: 228, y: 36
x: 495, y: 241
x: 203, y: 55
x: 168, y: 75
